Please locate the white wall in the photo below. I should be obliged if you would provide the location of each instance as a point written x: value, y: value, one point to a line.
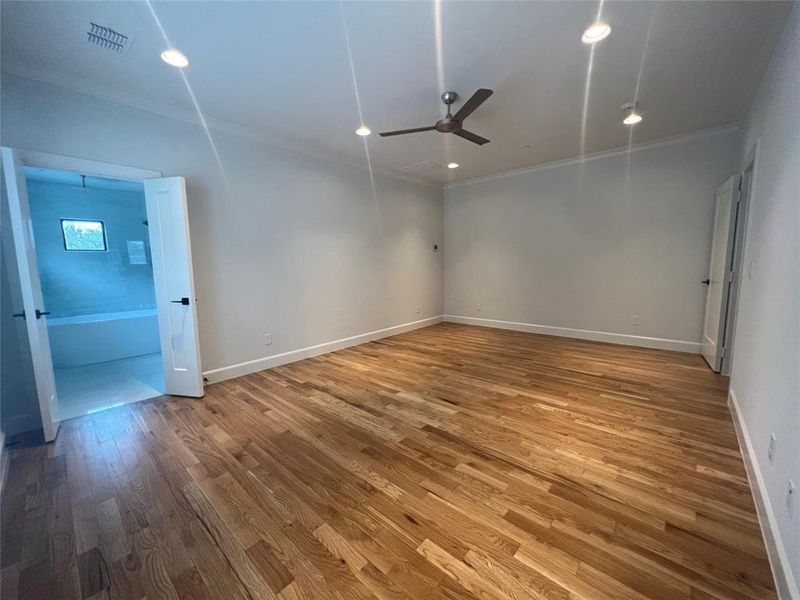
x: 765, y: 376
x: 296, y: 246
x: 586, y: 246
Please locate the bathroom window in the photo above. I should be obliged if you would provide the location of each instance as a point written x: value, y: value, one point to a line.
x: 84, y: 235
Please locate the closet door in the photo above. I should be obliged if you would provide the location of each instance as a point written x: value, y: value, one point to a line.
x: 720, y: 274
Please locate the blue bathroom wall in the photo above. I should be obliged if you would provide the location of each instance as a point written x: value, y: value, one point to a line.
x: 84, y: 283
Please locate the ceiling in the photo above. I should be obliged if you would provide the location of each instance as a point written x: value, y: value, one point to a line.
x: 282, y: 70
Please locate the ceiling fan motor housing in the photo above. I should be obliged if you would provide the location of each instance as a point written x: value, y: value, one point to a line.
x: 449, y: 97
x: 448, y: 125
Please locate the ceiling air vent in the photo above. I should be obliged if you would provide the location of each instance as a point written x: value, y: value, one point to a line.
x: 420, y: 167
x: 107, y: 38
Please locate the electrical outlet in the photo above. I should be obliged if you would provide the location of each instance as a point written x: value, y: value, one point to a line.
x: 419, y: 309
x: 477, y: 307
x: 771, y: 451
x: 267, y: 339
x: 634, y: 319
x: 791, y: 492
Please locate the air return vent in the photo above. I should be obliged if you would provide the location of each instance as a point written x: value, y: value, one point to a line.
x: 420, y: 167
x: 107, y: 38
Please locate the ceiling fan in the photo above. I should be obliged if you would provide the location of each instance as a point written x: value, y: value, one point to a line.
x: 453, y: 123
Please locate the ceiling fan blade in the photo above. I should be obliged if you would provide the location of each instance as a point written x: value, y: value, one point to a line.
x: 404, y: 131
x: 478, y: 98
x: 468, y: 135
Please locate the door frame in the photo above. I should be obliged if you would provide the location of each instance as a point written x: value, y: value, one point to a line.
x: 737, y: 264
x: 58, y: 162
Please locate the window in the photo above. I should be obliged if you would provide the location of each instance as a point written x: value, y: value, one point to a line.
x: 84, y: 235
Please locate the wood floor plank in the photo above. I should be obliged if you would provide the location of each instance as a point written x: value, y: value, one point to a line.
x: 449, y: 462
x: 231, y: 548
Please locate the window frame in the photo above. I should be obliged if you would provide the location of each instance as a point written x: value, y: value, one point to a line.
x: 64, y: 235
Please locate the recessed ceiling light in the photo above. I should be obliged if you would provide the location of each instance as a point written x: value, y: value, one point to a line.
x: 596, y: 32
x: 632, y: 117
x: 452, y: 165
x: 174, y: 57
x: 363, y: 131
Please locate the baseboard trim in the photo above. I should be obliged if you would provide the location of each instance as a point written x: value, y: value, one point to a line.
x: 582, y: 334
x: 776, y: 550
x: 275, y: 360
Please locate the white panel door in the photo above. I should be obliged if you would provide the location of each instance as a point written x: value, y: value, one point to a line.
x: 168, y: 221
x: 719, y: 271
x: 30, y: 286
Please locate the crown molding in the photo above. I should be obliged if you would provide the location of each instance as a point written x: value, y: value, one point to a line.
x: 88, y: 88
x: 667, y: 141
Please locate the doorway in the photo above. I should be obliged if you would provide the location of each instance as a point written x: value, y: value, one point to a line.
x: 106, y: 305
x: 95, y: 268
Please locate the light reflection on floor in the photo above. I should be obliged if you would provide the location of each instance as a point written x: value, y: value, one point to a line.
x: 91, y: 388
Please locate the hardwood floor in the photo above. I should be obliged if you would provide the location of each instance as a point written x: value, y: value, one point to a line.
x: 449, y: 462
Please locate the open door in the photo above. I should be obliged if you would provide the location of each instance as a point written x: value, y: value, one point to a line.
x: 720, y: 272
x: 33, y: 310
x: 168, y: 222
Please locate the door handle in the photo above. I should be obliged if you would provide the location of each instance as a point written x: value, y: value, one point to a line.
x: 184, y: 301
x: 22, y: 314
x: 41, y: 313
x: 706, y: 282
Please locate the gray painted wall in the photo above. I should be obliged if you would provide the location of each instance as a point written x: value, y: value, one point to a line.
x: 586, y: 246
x: 765, y: 375
x: 291, y: 245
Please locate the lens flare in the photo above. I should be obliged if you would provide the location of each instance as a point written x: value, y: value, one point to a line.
x: 193, y: 98
x: 636, y: 92
x: 439, y: 47
x: 588, y: 86
x: 363, y: 131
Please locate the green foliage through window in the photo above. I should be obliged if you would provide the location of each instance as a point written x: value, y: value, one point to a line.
x: 83, y: 235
